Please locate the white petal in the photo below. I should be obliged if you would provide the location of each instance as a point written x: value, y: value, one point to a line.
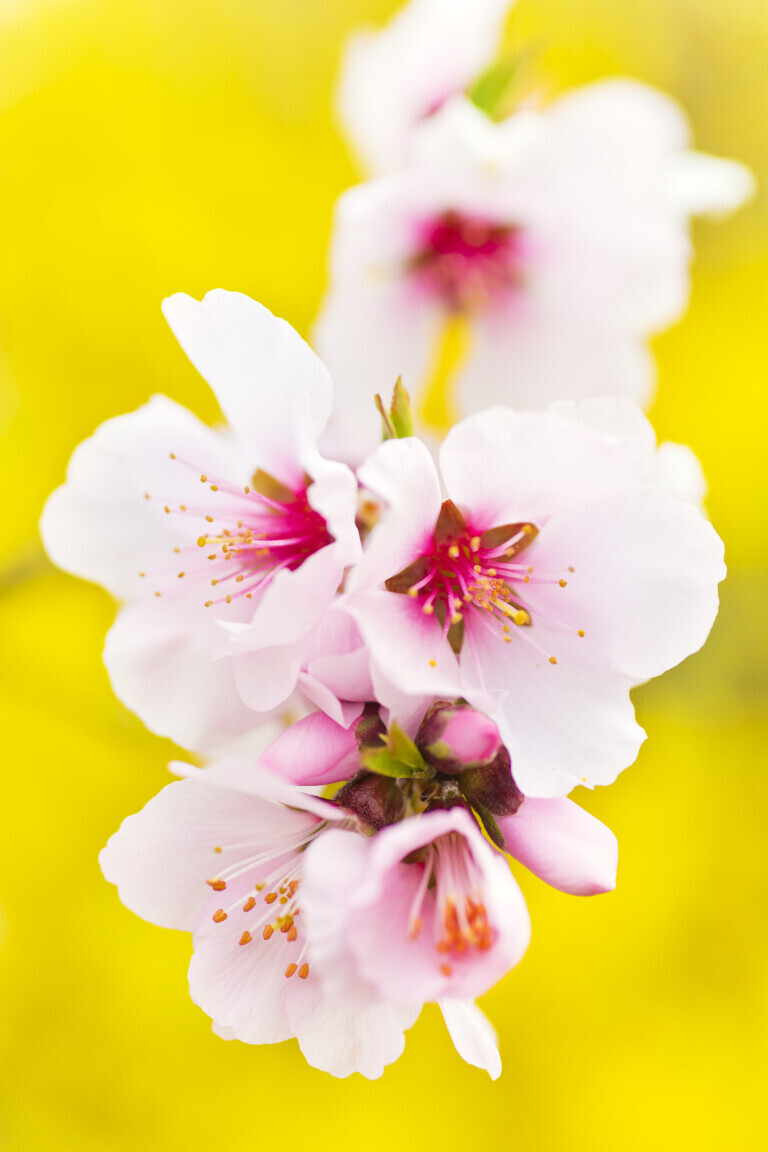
x: 341, y: 1038
x: 161, y: 857
x: 644, y: 585
x: 407, y: 655
x: 677, y: 470
x: 371, y: 334
x: 709, y: 185
x: 566, y: 724
x: 403, y: 474
x: 472, y: 1034
x: 502, y: 466
x: 529, y: 360
x: 259, y: 367
x: 107, y: 522
x: 159, y: 663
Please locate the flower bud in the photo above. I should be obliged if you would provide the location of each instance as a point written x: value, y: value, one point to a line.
x: 455, y: 737
x: 377, y: 800
x: 492, y: 788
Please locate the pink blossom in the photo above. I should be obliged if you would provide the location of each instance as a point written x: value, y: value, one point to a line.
x: 424, y: 908
x: 216, y: 540
x: 547, y: 585
x: 559, y: 235
x: 222, y: 854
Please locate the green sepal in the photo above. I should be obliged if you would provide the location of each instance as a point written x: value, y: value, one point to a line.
x: 404, y: 749
x: 381, y: 761
x: 400, y: 411
x: 398, y: 756
x: 491, y: 826
x: 490, y: 92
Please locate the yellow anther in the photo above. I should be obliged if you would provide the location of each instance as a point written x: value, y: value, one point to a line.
x: 413, y: 591
x: 228, y: 598
x: 173, y: 455
x: 202, y: 541
x: 428, y: 609
x: 581, y: 632
x: 203, y: 479
x: 209, y: 519
x: 166, y: 509
x: 433, y: 663
x: 521, y: 617
x: 562, y: 583
x: 158, y: 593
x: 453, y: 551
x: 209, y: 603
x: 474, y: 543
x: 553, y: 660
x: 180, y: 575
x: 214, y: 488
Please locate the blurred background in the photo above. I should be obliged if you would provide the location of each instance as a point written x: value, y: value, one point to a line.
x: 153, y: 146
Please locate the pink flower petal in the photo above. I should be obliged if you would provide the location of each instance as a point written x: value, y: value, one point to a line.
x: 564, y: 845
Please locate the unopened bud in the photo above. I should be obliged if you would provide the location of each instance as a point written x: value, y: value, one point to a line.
x: 377, y: 800
x: 456, y: 737
x: 492, y: 788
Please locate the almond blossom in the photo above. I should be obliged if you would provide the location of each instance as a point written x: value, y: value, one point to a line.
x: 547, y: 583
x: 559, y: 235
x: 426, y: 907
x: 394, y: 78
x: 221, y: 854
x: 195, y: 529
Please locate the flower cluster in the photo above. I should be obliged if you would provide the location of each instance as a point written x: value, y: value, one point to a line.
x: 398, y: 662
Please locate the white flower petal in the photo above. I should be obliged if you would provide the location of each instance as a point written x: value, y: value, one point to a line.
x: 472, y: 1034
x: 259, y: 367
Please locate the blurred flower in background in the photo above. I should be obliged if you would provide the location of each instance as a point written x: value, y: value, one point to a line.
x: 150, y: 148
x: 557, y: 233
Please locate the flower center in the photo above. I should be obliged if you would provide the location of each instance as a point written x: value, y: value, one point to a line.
x: 271, y: 907
x: 474, y: 576
x: 468, y: 261
x: 252, y: 533
x: 461, y: 920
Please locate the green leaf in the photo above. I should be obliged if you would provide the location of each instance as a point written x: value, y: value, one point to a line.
x: 404, y: 749
x: 381, y: 761
x: 490, y: 92
x: 400, y: 411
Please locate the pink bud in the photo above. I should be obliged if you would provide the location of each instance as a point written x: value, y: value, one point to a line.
x: 454, y: 737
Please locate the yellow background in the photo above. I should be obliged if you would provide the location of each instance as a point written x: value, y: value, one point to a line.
x: 151, y: 146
